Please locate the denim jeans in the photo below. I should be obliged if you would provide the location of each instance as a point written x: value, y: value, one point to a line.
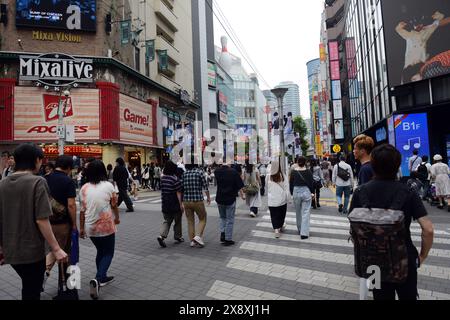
x: 227, y: 214
x: 302, y: 202
x: 343, y: 191
x: 105, y: 253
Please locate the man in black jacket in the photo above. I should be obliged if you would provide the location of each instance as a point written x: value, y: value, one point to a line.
x: 121, y: 177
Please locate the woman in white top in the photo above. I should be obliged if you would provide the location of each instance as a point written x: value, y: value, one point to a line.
x: 278, y: 197
x: 98, y: 219
x: 439, y: 174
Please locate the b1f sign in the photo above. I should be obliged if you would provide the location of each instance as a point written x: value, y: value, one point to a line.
x: 411, y: 133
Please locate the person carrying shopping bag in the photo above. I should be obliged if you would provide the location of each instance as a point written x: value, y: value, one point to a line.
x: 278, y: 197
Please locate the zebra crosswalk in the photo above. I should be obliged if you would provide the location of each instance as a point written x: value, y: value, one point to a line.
x: 321, y: 266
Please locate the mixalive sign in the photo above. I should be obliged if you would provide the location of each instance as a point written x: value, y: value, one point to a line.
x: 56, y: 69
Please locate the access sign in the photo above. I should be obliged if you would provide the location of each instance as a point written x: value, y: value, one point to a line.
x: 337, y: 148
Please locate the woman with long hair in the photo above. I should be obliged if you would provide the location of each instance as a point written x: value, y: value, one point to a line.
x: 252, y: 182
x: 301, y: 185
x: 278, y: 197
x: 99, y: 216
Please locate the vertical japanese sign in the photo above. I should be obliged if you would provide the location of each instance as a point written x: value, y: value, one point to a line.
x: 163, y: 59
x: 335, y: 72
x: 125, y: 31
x: 149, y: 51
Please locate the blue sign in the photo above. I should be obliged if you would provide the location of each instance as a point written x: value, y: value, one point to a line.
x: 381, y: 134
x: 411, y: 132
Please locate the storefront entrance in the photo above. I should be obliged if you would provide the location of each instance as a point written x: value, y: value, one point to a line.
x: 134, y: 159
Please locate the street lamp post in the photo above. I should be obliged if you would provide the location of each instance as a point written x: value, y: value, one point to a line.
x: 61, y: 129
x: 279, y: 94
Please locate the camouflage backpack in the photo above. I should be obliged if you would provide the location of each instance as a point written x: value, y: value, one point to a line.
x: 379, y: 238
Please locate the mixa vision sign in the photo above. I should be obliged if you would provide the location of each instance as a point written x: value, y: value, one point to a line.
x: 55, y: 69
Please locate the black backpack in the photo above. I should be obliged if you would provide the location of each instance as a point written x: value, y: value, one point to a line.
x: 343, y: 173
x: 422, y: 170
x: 379, y: 238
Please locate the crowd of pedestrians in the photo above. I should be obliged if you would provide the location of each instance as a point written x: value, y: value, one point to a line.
x: 46, y: 213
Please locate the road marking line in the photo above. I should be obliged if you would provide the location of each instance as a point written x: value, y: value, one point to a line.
x: 334, y: 242
x: 343, y: 232
x: 221, y: 290
x: 426, y: 270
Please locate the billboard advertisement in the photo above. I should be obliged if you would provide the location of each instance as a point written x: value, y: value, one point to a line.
x: 37, y: 119
x: 136, y: 123
x: 416, y: 35
x: 223, y: 107
x: 76, y: 15
x: 411, y: 133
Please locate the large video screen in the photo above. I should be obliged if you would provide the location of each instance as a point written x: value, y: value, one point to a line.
x: 417, y: 34
x: 58, y: 14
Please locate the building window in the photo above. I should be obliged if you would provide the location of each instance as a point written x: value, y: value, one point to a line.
x: 137, y: 59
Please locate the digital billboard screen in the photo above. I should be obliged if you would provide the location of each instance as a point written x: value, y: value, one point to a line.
x: 416, y: 36
x: 411, y: 133
x: 76, y: 15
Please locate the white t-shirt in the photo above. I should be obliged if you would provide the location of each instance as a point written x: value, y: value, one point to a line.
x: 96, y: 202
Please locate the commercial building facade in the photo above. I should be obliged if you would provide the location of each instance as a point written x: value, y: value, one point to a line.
x: 140, y: 83
x: 392, y: 88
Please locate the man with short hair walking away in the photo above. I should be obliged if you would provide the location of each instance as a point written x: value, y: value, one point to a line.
x: 343, y: 180
x: 121, y: 177
x: 62, y: 191
x: 414, y: 162
x: 229, y: 184
x: 194, y: 184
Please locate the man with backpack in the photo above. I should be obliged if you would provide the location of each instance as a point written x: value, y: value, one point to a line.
x: 380, y: 217
x: 424, y: 176
x: 414, y: 161
x: 343, y: 180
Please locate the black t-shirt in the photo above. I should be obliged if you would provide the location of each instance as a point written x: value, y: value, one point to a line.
x: 61, y: 188
x: 382, y: 195
x: 365, y: 173
x: 228, y: 185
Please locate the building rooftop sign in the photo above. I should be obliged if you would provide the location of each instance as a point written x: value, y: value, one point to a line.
x: 55, y: 69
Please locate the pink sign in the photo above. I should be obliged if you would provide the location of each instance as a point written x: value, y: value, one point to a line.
x: 335, y: 71
x: 334, y: 50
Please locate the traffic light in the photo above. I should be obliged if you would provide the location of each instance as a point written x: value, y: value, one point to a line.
x: 108, y: 23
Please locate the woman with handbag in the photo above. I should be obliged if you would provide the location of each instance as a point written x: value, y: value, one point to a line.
x: 318, y: 182
x: 278, y: 197
x: 301, y: 185
x: 252, y: 182
x: 98, y: 219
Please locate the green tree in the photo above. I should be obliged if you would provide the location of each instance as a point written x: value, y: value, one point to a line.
x: 302, y: 130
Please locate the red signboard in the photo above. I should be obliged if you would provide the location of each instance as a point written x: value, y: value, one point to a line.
x: 51, y: 106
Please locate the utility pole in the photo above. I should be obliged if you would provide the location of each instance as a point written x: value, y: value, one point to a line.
x: 61, y: 129
x: 279, y: 94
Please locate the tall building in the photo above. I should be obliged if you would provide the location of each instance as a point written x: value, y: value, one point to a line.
x: 317, y: 136
x: 135, y: 88
x: 391, y: 91
x: 291, y: 101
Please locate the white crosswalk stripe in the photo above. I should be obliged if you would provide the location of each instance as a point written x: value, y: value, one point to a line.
x: 335, y: 242
x: 228, y: 291
x: 321, y: 222
x: 345, y: 232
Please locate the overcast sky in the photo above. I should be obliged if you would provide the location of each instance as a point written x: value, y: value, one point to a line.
x: 280, y: 37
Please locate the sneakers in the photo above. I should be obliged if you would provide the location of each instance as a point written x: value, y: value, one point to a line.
x: 161, y: 242
x: 277, y: 233
x: 179, y: 240
x: 199, y: 241
x: 222, y: 237
x: 193, y: 244
x: 283, y: 228
x: 304, y: 237
x: 129, y: 210
x: 252, y: 214
x: 94, y: 289
x: 107, y: 281
x: 345, y: 212
x: 341, y: 208
x: 228, y: 243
